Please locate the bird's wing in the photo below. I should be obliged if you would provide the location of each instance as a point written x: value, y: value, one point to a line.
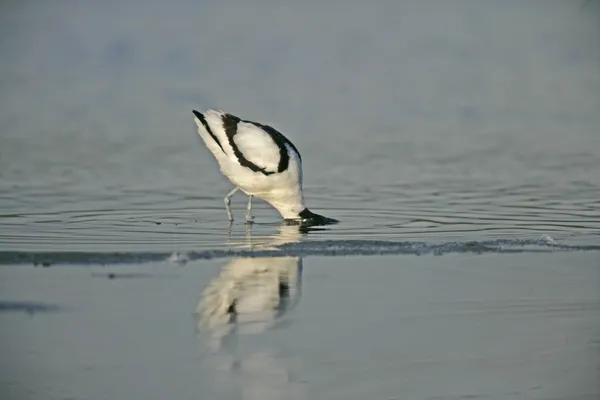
x: 258, y: 147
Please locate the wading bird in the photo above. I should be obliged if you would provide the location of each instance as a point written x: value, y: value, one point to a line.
x: 260, y: 162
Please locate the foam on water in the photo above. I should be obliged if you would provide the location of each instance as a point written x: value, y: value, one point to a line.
x: 320, y: 248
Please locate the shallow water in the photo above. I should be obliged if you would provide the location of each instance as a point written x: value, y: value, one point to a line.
x: 450, y: 128
x: 462, y: 121
x: 480, y: 327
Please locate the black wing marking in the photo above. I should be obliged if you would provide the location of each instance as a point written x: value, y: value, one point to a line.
x: 280, y: 141
x: 230, y: 123
x: 200, y: 116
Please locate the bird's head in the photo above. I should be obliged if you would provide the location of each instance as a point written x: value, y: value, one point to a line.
x: 309, y: 218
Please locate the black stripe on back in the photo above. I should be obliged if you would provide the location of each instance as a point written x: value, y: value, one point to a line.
x: 200, y: 116
x: 230, y: 123
x: 280, y: 141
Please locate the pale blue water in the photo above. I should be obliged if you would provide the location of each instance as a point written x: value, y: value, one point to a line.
x: 448, y: 128
x: 386, y: 327
x: 442, y: 120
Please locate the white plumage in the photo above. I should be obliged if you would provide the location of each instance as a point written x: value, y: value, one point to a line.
x: 250, y: 294
x: 259, y: 160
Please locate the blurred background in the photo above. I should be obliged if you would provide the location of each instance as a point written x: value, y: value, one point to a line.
x: 416, y: 119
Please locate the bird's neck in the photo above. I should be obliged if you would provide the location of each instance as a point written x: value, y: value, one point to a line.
x: 290, y: 210
x: 289, y: 205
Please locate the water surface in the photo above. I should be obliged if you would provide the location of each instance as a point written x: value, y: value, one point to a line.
x: 441, y: 121
x: 456, y: 141
x: 456, y: 327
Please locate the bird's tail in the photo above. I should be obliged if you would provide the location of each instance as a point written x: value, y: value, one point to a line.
x: 211, y: 129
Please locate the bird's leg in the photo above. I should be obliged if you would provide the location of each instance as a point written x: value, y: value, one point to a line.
x: 228, y: 203
x: 249, y: 216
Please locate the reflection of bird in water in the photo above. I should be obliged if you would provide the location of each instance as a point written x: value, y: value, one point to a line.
x: 250, y: 295
x: 253, y: 296
x: 251, y: 240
